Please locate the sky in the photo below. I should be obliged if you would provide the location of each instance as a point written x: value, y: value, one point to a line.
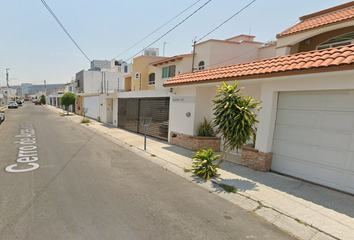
x: 35, y: 48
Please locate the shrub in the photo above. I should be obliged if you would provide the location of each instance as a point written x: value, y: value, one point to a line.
x: 205, y: 129
x: 42, y: 99
x: 68, y: 99
x: 203, y: 165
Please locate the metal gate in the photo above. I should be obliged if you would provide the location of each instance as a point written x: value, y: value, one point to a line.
x: 131, y: 109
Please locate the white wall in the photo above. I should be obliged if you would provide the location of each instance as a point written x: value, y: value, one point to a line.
x: 203, y: 106
x: 222, y: 54
x: 93, y: 79
x: 92, y: 82
x: 182, y: 102
x: 115, y: 112
x: 266, y: 52
x: 112, y: 80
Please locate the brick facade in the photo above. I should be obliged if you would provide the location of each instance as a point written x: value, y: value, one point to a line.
x: 255, y: 159
x: 195, y: 143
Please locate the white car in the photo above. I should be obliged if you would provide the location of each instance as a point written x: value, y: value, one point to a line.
x: 12, y: 105
x: 2, y: 116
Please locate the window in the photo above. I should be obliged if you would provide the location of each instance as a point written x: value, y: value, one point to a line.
x: 169, y: 71
x: 125, y: 68
x: 152, y: 79
x: 201, y: 65
x: 342, y: 40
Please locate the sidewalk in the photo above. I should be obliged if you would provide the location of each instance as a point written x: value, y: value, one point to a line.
x: 305, y: 210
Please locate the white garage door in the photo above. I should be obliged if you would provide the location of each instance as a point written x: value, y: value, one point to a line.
x: 93, y: 105
x: 314, y: 137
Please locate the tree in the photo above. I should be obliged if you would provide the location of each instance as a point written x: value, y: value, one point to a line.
x: 234, y: 118
x: 42, y: 99
x: 68, y: 99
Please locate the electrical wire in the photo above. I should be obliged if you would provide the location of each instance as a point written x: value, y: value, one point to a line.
x: 227, y: 20
x: 158, y: 28
x: 61, y: 25
x: 85, y: 75
x: 172, y: 28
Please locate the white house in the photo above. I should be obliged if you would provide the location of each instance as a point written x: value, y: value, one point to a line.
x: 306, y: 125
x: 90, y: 84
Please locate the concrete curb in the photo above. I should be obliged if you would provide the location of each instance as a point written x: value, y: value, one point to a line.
x: 282, y: 220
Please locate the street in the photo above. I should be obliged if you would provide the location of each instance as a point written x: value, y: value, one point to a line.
x: 70, y: 183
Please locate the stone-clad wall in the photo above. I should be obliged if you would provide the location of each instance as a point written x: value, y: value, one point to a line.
x: 255, y: 159
x: 195, y: 143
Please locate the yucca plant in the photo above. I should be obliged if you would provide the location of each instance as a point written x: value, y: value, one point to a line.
x: 203, y: 165
x: 205, y: 129
x: 234, y: 118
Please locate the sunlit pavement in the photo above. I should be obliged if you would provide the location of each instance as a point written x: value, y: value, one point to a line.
x: 306, y: 210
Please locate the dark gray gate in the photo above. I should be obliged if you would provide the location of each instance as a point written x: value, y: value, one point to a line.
x: 131, y: 109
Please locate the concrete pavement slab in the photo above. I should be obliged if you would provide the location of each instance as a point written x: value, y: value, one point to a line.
x: 286, y: 223
x: 320, y: 213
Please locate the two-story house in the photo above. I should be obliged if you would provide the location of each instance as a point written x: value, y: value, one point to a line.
x: 100, y: 79
x: 213, y: 53
x: 306, y: 127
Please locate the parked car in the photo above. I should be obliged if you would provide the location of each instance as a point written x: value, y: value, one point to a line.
x: 38, y: 102
x: 19, y: 102
x: 12, y: 105
x: 2, y: 116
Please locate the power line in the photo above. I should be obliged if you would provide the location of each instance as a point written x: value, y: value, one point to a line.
x: 227, y: 20
x: 172, y: 28
x: 61, y: 25
x: 158, y: 28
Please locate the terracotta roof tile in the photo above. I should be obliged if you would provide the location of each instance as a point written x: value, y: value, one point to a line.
x: 326, y: 58
x: 318, y: 21
x: 349, y: 59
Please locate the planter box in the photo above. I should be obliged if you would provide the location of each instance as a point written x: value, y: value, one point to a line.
x: 194, y: 142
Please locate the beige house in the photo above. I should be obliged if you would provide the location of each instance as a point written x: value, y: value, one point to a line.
x: 210, y: 54
x: 143, y: 74
x: 306, y: 127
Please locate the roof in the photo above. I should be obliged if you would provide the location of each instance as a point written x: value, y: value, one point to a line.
x: 321, y: 60
x: 171, y: 59
x: 333, y: 15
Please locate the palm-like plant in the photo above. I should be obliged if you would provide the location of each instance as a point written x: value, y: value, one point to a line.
x: 203, y: 165
x: 205, y: 129
x: 234, y: 118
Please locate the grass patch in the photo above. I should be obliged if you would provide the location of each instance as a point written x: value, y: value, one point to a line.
x: 86, y: 120
x: 228, y: 188
x: 187, y: 170
x: 260, y: 205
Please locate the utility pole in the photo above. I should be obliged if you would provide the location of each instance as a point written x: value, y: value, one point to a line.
x: 7, y: 82
x: 45, y: 91
x: 193, y: 56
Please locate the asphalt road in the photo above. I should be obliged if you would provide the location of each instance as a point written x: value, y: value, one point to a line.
x: 86, y: 187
